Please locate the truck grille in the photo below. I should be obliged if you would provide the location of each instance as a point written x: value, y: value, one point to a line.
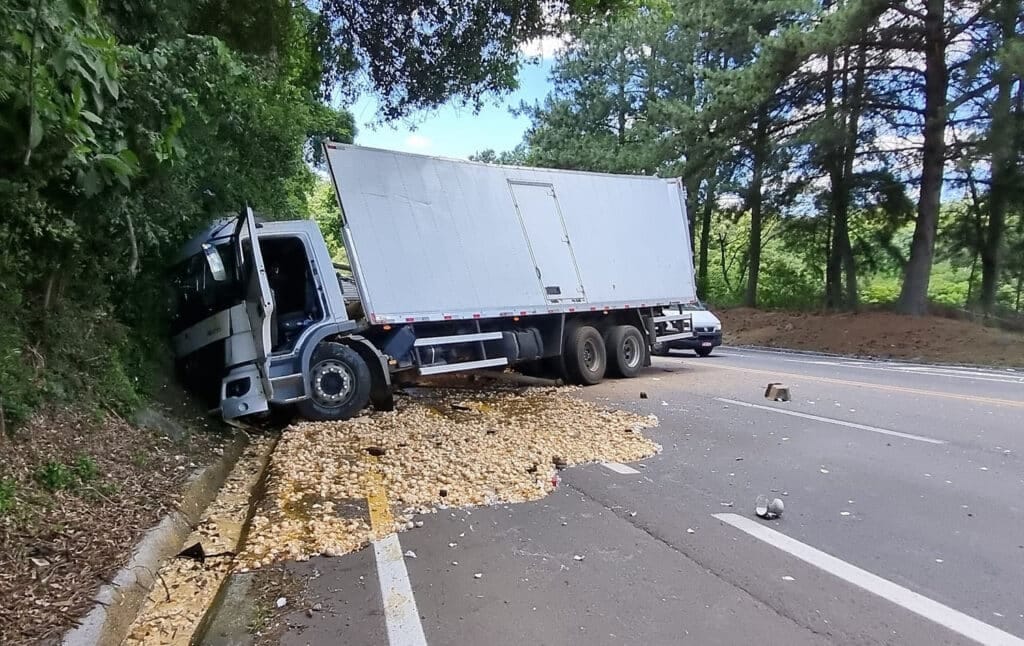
x: 704, y: 329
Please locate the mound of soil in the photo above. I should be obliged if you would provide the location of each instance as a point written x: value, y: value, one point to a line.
x: 875, y: 334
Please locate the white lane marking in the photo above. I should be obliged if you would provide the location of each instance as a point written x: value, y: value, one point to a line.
x: 401, y: 616
x: 838, y: 422
x: 952, y: 372
x: 619, y: 468
x: 934, y: 611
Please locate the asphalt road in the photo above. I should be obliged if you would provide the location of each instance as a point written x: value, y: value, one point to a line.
x: 904, y: 522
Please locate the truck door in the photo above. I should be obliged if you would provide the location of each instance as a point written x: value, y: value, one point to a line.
x: 259, y: 301
x: 549, y: 241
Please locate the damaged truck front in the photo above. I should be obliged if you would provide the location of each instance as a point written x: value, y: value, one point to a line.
x: 454, y: 266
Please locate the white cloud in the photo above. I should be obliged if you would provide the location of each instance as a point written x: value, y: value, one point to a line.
x: 545, y: 47
x: 418, y: 142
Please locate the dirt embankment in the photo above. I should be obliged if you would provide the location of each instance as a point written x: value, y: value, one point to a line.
x: 875, y: 334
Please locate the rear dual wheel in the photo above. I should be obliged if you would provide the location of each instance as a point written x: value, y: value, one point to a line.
x: 626, y: 349
x: 589, y: 355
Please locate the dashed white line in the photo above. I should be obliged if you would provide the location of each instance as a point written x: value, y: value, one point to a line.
x: 400, y: 613
x: 838, y: 422
x: 619, y: 468
x: 954, y: 620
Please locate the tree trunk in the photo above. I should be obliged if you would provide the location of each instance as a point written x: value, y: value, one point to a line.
x: 1001, y: 142
x: 833, y: 260
x: 914, y: 293
x: 854, y: 105
x: 705, y: 238
x: 692, y: 193
x: 755, y: 202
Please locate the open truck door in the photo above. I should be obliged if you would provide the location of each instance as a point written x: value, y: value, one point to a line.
x: 247, y: 389
x: 259, y: 300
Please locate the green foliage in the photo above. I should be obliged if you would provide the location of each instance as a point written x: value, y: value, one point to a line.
x: 7, y: 491
x: 323, y: 207
x: 55, y: 476
x: 124, y: 127
x: 85, y: 469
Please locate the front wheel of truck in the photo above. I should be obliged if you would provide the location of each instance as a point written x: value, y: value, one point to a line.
x: 339, y: 381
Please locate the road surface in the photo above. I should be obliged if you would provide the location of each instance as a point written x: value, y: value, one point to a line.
x: 904, y: 493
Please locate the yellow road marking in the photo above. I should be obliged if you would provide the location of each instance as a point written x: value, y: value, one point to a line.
x: 866, y: 384
x: 381, y: 520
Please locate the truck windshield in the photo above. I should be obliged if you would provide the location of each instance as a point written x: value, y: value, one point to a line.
x: 197, y: 292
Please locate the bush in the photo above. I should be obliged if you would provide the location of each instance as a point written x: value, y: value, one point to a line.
x: 55, y: 476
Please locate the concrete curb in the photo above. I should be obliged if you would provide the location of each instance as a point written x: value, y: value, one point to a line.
x: 118, y: 603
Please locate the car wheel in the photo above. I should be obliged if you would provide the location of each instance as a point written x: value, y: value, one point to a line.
x: 625, y: 347
x: 586, y: 358
x: 339, y: 384
x: 703, y: 352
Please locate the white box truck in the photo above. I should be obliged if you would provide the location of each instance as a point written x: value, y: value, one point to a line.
x: 455, y: 266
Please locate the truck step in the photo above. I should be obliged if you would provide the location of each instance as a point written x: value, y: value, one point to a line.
x: 463, y: 365
x: 457, y: 338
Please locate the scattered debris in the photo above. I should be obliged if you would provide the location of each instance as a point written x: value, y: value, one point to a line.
x: 478, y: 575
x: 689, y: 530
x: 410, y: 554
x: 823, y: 470
x: 376, y: 451
x: 418, y: 523
x: 578, y: 557
x: 281, y: 602
x: 453, y: 544
x: 438, y: 455
x: 726, y: 504
x: 939, y: 561
x: 844, y: 513
x: 768, y: 509
x: 643, y: 395
x: 777, y: 392
x: 788, y: 578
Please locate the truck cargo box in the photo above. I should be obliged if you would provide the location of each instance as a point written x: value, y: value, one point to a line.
x: 433, y: 239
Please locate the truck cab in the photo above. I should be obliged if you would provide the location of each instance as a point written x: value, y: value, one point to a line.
x: 253, y: 301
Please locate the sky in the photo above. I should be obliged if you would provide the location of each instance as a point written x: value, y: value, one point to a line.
x: 453, y: 131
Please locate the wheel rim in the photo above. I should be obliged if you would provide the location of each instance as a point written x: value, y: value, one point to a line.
x: 590, y: 359
x: 631, y: 351
x: 333, y: 383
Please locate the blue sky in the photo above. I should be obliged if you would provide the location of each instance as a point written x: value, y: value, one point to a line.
x: 453, y: 131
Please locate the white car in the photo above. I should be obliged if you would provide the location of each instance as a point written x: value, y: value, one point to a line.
x: 707, y: 332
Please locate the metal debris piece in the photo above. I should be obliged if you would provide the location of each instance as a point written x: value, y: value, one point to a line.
x: 777, y: 392
x: 761, y: 506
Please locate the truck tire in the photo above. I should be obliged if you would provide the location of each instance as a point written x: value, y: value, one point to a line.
x: 625, y: 347
x: 586, y: 358
x: 340, y: 383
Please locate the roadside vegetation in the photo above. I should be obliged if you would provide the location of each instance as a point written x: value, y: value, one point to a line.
x: 835, y: 153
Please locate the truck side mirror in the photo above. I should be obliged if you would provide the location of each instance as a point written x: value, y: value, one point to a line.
x: 214, y: 262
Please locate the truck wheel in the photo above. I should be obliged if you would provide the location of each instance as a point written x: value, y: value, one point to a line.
x: 625, y: 347
x: 339, y: 383
x: 585, y: 356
